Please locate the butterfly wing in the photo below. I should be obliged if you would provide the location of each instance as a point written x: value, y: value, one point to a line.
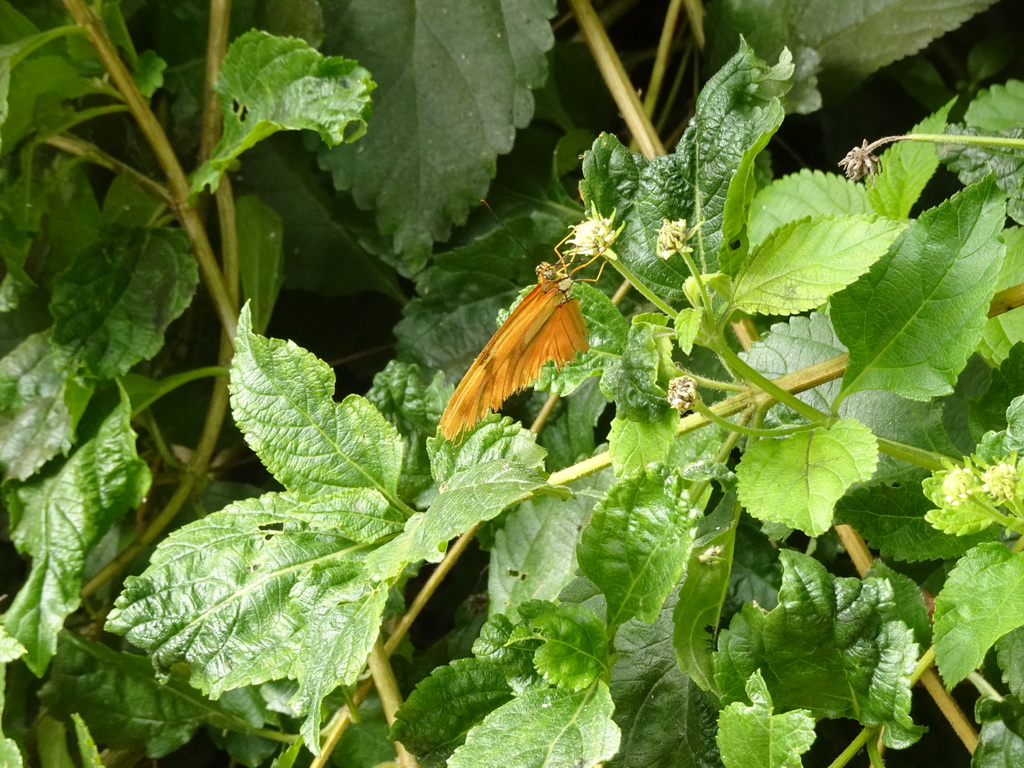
x: 544, y: 326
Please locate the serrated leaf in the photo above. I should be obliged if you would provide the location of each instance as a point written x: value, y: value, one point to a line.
x: 634, y: 445
x: 269, y: 84
x: 1010, y: 650
x: 574, y: 651
x: 414, y: 407
x: 433, y: 721
x: 466, y: 498
x: 833, y: 646
x: 112, y: 305
x: 444, y: 165
x: 260, y: 256
x: 804, y: 262
x: 997, y: 108
x: 796, y: 480
x: 837, y: 39
x: 534, y: 553
x: 907, y: 166
x: 737, y: 110
x: 495, y: 438
x: 544, y: 727
x: 972, y: 164
x: 638, y: 542
x: 679, y: 731
x: 35, y: 422
x: 803, y: 194
x: 701, y: 596
x: 755, y: 737
x: 10, y: 649
x: 892, y: 519
x: 998, y: 747
x: 935, y: 283
x: 514, y: 657
x: 980, y: 602
x: 126, y: 704
x: 638, y: 380
x: 58, y: 516
x: 281, y: 397
x: 254, y: 558
x: 909, y: 601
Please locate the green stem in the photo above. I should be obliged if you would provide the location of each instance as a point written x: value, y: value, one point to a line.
x: 703, y: 410
x: 647, y: 292
x: 705, y: 299
x: 1000, y: 142
x: 855, y: 746
x: 668, y: 30
x: 874, y: 755
x: 917, y: 456
x: 923, y: 665
x: 985, y: 688
x: 725, y: 386
x: 734, y: 362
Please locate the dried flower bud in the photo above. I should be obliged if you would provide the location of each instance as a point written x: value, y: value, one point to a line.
x: 1000, y: 482
x: 682, y: 392
x: 593, y: 236
x: 673, y: 237
x: 859, y: 162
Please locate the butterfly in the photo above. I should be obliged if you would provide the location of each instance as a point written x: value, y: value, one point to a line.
x: 546, y: 325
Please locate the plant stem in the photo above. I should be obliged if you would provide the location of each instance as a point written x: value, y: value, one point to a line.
x: 92, y: 153
x: 638, y: 284
x: 180, y: 189
x: 734, y: 361
x: 700, y: 407
x: 912, y: 455
x: 668, y: 33
x: 390, y: 696
x: 855, y: 746
x: 985, y: 688
x: 617, y: 80
x: 216, y: 48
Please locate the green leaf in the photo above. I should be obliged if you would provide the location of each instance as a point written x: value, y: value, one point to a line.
x: 61, y: 514
x: 638, y: 380
x: 269, y: 84
x: 10, y: 649
x: 833, y: 646
x: 265, y: 589
x: 701, y: 596
x: 803, y: 194
x: 679, y: 731
x: 467, y: 497
x: 328, y: 249
x: 575, y: 649
x: 638, y: 543
x: 972, y: 164
x: 997, y: 108
x: 343, y: 624
x: 544, y: 727
x: 260, y: 256
x: 426, y: 78
x: 843, y: 45
x: 433, y: 721
x: 86, y: 745
x: 892, y: 519
x: 1010, y: 650
x: 1007, y: 328
x: 35, y: 422
x: 798, y: 343
x: 126, y: 705
x: 909, y: 602
x: 534, y: 553
x: 112, y: 305
x: 980, y: 602
x: 796, y: 480
x: 805, y: 261
x: 998, y: 747
x: 907, y: 167
x: 281, y: 397
x: 739, y: 109
x: 633, y: 445
x: 414, y: 407
x: 935, y: 283
x: 755, y: 737
x: 514, y: 657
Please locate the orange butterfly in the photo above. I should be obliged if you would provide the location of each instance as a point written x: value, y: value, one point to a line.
x: 546, y: 325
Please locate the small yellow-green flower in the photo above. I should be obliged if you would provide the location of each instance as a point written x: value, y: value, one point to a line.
x: 958, y: 485
x: 1000, y: 482
x: 593, y: 236
x: 673, y: 237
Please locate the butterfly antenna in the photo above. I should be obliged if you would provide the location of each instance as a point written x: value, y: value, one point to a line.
x: 507, y: 230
